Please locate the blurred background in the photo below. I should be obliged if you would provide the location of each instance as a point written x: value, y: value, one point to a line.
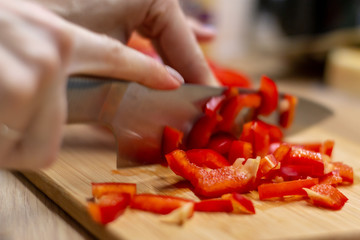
x: 317, y: 40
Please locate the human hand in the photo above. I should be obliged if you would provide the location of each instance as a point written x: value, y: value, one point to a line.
x: 38, y: 50
x: 161, y: 20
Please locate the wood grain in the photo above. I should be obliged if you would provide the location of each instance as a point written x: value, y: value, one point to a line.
x: 26, y: 213
x: 88, y: 155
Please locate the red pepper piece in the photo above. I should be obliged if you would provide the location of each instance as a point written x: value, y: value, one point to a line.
x: 159, y: 204
x: 221, y: 142
x: 207, y: 158
x: 232, y: 108
x: 240, y: 203
x: 269, y: 96
x: 213, y: 105
x: 171, y: 140
x: 240, y: 149
x: 100, y: 189
x: 108, y: 207
x: 332, y: 178
x: 346, y: 172
x: 301, y: 171
x: 287, y: 107
x: 258, y: 134
x: 275, y: 133
x: 202, y: 130
x: 276, y: 190
x: 327, y: 196
x: 325, y: 147
x: 214, y: 205
x: 298, y: 156
x: 282, y: 152
x: 231, y: 78
x: 267, y: 163
x: 210, y: 182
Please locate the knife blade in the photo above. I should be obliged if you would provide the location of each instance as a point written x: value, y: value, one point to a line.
x: 137, y: 114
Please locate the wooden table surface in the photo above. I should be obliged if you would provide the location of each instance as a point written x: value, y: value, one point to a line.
x: 26, y: 213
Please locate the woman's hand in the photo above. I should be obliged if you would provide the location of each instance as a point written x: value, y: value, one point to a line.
x: 38, y: 50
x: 160, y: 20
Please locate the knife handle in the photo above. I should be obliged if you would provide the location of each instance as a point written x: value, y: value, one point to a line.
x: 86, y: 97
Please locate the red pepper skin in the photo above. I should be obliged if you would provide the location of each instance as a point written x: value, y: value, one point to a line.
x: 269, y: 96
x: 231, y: 78
x: 221, y: 142
x: 232, y: 107
x: 214, y: 205
x: 325, y: 147
x: 282, y: 152
x: 332, y: 178
x: 240, y: 149
x: 327, y: 196
x: 299, y: 156
x: 275, y: 133
x: 240, y: 203
x: 210, y: 182
x: 171, y: 139
x: 301, y: 171
x: 159, y: 204
x: 266, y: 164
x: 286, y: 117
x: 276, y: 190
x: 213, y: 105
x: 100, y: 189
x: 202, y: 130
x: 346, y: 172
x: 108, y: 207
x: 207, y: 158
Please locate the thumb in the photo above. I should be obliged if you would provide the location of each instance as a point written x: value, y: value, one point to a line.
x: 100, y: 55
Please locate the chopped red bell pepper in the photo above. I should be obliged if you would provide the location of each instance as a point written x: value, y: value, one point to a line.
x: 213, y: 105
x: 202, y: 130
x: 275, y: 133
x: 267, y: 163
x: 327, y: 196
x: 240, y: 149
x: 276, y: 190
x: 258, y: 134
x: 332, y: 178
x: 214, y: 205
x: 301, y: 171
x: 221, y: 142
x: 100, y: 189
x: 231, y: 78
x: 325, y: 147
x: 232, y: 107
x: 299, y: 156
x: 207, y: 158
x: 346, y: 172
x: 159, y: 204
x: 287, y: 106
x: 108, y: 207
x: 282, y: 152
x: 240, y: 203
x: 211, y: 182
x: 269, y: 96
x: 171, y: 139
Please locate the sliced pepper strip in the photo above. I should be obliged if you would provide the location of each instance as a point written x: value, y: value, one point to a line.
x: 214, y: 205
x: 221, y: 142
x: 207, y: 158
x: 171, y: 139
x: 240, y: 149
x: 108, y: 207
x: 211, y: 182
x: 276, y: 190
x: 269, y: 96
x: 287, y: 107
x: 100, y: 189
x: 346, y: 172
x: 240, y: 203
x: 327, y: 196
x: 159, y: 204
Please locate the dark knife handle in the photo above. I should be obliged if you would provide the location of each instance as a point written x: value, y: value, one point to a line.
x: 86, y: 97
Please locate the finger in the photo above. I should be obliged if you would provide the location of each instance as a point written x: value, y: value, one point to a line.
x: 103, y: 56
x: 203, y: 33
x: 167, y: 25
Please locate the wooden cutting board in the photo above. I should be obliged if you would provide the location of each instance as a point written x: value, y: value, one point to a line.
x: 88, y: 155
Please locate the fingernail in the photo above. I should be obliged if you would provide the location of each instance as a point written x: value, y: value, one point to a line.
x: 175, y: 74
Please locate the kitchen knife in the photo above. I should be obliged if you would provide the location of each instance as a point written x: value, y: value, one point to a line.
x: 137, y: 114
